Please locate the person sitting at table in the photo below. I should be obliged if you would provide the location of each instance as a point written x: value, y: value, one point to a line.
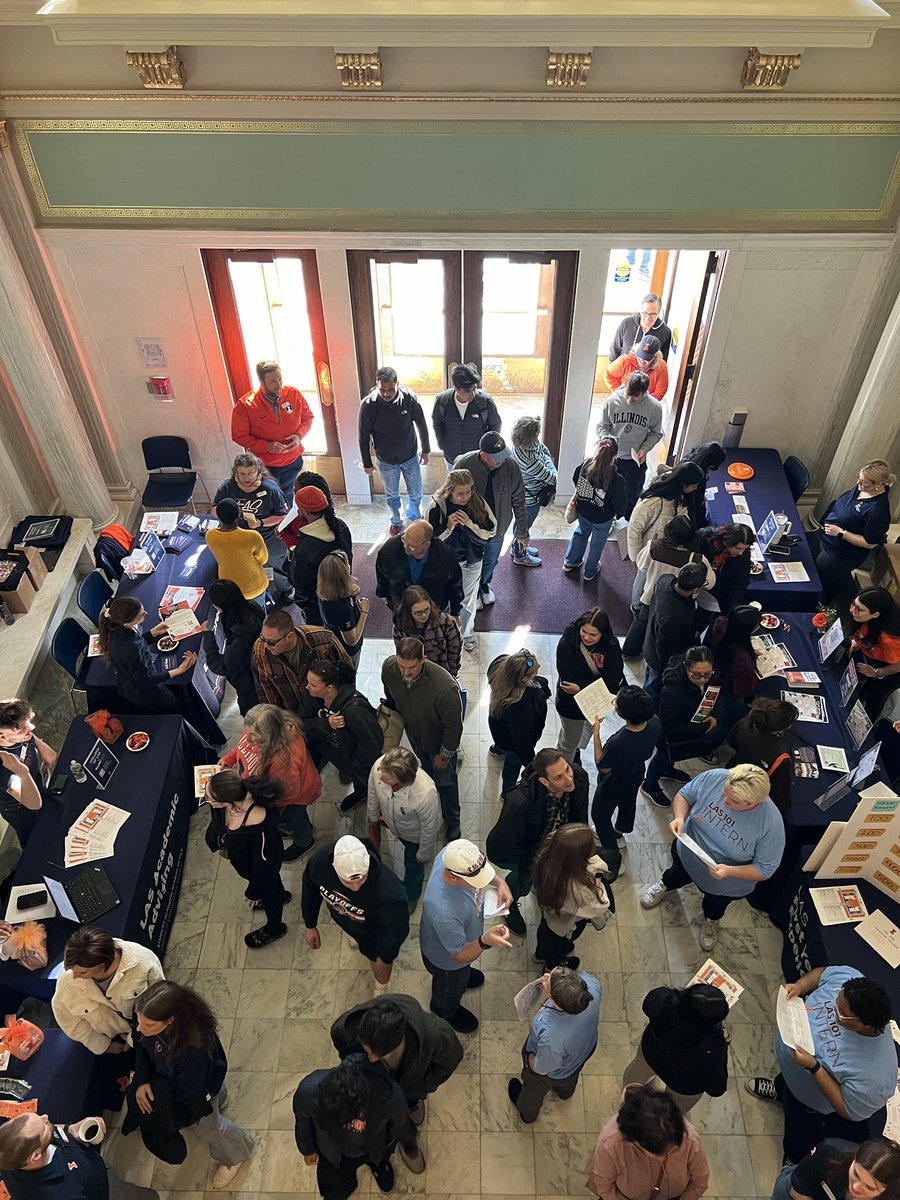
x: 140, y: 673
x: 283, y: 655
x: 730, y: 817
x: 839, y: 1090
x: 729, y: 638
x: 418, y: 616
x: 241, y: 554
x: 839, y: 1168
x: 759, y: 738
x: 262, y: 508
x: 853, y: 525
x: 241, y: 622
x: 26, y: 762
x: 346, y: 729
x: 664, y: 555
x: 876, y: 645
x: 341, y: 608
x: 273, y: 743
x: 179, y: 1082
x: 727, y: 547
x: 243, y: 828
x: 96, y: 991
x: 315, y: 532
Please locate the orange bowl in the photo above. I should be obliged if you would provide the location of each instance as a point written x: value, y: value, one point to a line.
x: 741, y: 471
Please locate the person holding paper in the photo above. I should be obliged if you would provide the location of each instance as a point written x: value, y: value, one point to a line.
x: 877, y: 645
x: 600, y: 497
x: 834, y: 1168
x: 403, y: 798
x: 588, y: 650
x: 241, y: 623
x: 852, y: 1073
x: 727, y: 547
x: 140, y: 675
x: 568, y: 885
x: 563, y: 1036
x: 551, y: 792
x: 738, y: 835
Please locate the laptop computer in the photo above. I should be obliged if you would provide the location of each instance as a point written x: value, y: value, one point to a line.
x: 84, y: 898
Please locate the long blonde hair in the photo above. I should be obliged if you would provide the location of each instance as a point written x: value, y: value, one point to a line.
x: 475, y: 508
x: 333, y: 580
x: 508, y: 677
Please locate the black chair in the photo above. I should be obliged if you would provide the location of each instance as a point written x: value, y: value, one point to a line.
x: 69, y: 648
x: 797, y: 476
x: 171, y: 478
x: 94, y: 593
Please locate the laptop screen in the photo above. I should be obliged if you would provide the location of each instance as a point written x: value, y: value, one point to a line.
x: 61, y: 900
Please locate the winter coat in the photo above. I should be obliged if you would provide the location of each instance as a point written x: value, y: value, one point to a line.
x: 88, y: 1015
x: 572, y: 666
x: 685, y: 1059
x: 233, y: 661
x: 457, y: 435
x: 441, y: 576
x: 412, y: 814
x: 581, y: 904
x: 518, y: 728
x: 442, y: 641
x: 623, y: 1170
x: 678, y: 703
x: 355, y: 747
x: 522, y: 823
x: 466, y: 541
x: 502, y: 489
x: 313, y: 543
x: 658, y: 558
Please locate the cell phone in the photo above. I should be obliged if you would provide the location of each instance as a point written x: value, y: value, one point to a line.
x: 58, y: 784
x: 32, y: 899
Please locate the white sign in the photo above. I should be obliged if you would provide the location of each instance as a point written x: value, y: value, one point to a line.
x: 152, y: 354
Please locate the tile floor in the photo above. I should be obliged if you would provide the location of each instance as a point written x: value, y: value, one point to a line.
x: 275, y: 1005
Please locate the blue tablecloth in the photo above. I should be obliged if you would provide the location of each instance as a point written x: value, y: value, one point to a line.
x: 767, y: 492
x: 199, y: 691
x: 156, y: 786
x: 68, y: 1081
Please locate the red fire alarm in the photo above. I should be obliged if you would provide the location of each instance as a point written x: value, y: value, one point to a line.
x: 161, y: 386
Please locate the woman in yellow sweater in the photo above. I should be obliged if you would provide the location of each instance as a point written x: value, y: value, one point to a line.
x: 240, y: 553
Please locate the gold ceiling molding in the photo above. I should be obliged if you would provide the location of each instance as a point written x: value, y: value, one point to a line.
x: 158, y: 69
x: 568, y: 69
x: 360, y: 71
x: 4, y: 137
x: 767, y: 72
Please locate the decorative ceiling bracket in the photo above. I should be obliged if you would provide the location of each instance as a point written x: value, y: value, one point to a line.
x: 359, y: 70
x: 568, y: 68
x: 4, y: 138
x: 158, y: 68
x: 767, y: 72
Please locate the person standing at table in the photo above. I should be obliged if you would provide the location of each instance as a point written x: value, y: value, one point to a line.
x: 633, y: 419
x: 241, y: 622
x: 727, y: 547
x: 341, y: 608
x: 568, y: 886
x: 419, y: 617
x: 664, y: 498
x: 140, y: 673
x: 273, y: 744
x: 262, y: 508
x: 563, y: 1036
x: 282, y: 657
x: 272, y: 422
x: 600, y: 497
x: 730, y: 639
x: 877, y: 643
x: 759, y: 738
x: 39, y: 1159
x: 403, y: 798
x: 633, y: 329
x: 852, y: 526
x: 620, y: 765
x: 26, y: 763
x: 312, y: 535
x: 852, y: 1072
x: 243, y: 828
x: 463, y: 414
x: 241, y: 554
x: 709, y: 457
x: 664, y: 555
x: 101, y: 980
x: 346, y: 728
x: 364, y: 898
x: 730, y: 817
x: 587, y: 651
x: 646, y: 357
x: 179, y: 1082
x: 517, y: 712
x: 671, y: 621
x: 389, y: 418
x: 418, y: 557
x: 838, y: 1168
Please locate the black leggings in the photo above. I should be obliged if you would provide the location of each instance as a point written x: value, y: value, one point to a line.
x: 676, y: 877
x: 272, y: 900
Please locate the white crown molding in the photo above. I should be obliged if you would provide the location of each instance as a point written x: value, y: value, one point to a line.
x: 772, y: 23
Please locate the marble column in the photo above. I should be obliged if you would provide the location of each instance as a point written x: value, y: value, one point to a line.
x: 873, y: 429
x: 43, y: 395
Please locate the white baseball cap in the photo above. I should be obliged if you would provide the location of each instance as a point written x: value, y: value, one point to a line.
x: 350, y: 858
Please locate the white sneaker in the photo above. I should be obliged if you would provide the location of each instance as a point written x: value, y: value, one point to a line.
x: 709, y: 934
x: 469, y: 643
x: 224, y: 1176
x: 487, y: 595
x: 654, y: 894
x: 479, y: 603
x: 380, y: 988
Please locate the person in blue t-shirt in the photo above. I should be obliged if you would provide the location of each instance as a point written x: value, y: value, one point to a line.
x: 729, y: 815
x: 841, y: 1089
x: 262, y: 506
x: 452, y: 933
x: 563, y: 1036
x: 620, y: 764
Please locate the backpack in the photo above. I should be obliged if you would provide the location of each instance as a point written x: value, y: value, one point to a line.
x: 480, y: 399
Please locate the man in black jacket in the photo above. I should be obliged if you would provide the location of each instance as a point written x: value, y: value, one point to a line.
x: 463, y: 414
x: 672, y: 621
x: 365, y: 898
x: 415, y: 557
x: 389, y: 417
x: 419, y: 1049
x: 551, y: 792
x: 638, y: 326
x: 350, y: 1116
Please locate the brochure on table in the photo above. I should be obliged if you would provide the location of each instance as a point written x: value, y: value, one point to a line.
x: 160, y: 522
x: 93, y: 835
x: 868, y: 846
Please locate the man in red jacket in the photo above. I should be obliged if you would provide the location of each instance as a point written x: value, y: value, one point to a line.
x: 271, y: 423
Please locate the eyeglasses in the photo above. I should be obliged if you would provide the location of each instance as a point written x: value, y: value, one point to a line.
x: 266, y: 642
x: 700, y: 674
x: 644, y: 313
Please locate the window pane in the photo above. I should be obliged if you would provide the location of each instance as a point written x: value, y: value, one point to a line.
x: 409, y: 321
x: 515, y: 332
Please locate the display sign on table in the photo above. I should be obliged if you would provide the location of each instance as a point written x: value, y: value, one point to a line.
x: 830, y: 640
x: 868, y: 844
x: 858, y: 724
x: 150, y: 544
x: 101, y: 763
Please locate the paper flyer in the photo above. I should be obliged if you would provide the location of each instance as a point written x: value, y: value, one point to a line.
x: 595, y: 700
x: 849, y: 680
x: 892, y: 1124
x: 773, y: 660
x: 882, y: 935
x: 716, y: 976
x: 833, y: 758
x: 181, y: 621
x: 793, y: 1022
x: 94, y: 645
x: 838, y: 905
x: 811, y: 708
x: 174, y: 595
x: 688, y: 842
x: 160, y: 522
x: 492, y: 905
x: 789, y: 572
x: 858, y: 724
x: 868, y: 845
x: 202, y: 776
x: 93, y: 835
x: 830, y: 640
x: 529, y: 1000
x: 706, y: 705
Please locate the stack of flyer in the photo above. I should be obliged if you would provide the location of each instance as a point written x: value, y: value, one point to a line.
x: 93, y: 835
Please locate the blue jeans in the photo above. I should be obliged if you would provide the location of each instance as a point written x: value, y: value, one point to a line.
x: 653, y: 685
x: 491, y: 558
x: 587, y: 531
x: 413, y: 871
x: 447, y: 785
x: 531, y: 512
x: 645, y: 259
x: 285, y: 476
x: 781, y: 1189
x: 390, y: 477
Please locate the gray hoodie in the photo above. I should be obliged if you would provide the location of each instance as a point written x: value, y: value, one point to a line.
x: 635, y: 426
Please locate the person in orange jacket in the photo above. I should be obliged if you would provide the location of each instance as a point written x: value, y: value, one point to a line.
x: 645, y: 357
x: 272, y: 423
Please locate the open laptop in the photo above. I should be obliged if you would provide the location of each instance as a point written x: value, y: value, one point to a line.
x: 84, y: 898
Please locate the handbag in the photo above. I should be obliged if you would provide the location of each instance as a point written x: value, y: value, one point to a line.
x: 547, y: 494
x: 571, y: 514
x: 104, y: 726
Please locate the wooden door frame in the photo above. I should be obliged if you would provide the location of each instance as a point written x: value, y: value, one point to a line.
x: 704, y: 306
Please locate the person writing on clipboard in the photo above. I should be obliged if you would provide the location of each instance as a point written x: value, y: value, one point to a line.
x: 738, y: 832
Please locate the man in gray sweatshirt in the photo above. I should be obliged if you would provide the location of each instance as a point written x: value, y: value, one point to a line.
x: 634, y: 419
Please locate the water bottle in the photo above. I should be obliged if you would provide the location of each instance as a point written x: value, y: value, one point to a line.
x: 6, y: 614
x: 79, y: 774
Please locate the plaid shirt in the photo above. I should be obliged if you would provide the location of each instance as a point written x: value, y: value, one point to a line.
x: 279, y: 682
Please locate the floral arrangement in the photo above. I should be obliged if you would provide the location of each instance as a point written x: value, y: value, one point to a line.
x: 824, y: 619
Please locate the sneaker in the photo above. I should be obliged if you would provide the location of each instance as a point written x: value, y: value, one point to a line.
x: 496, y: 751
x: 380, y: 989
x: 350, y: 802
x: 526, y: 560
x: 487, y: 595
x: 678, y: 776
x: 570, y: 567
x: 224, y: 1176
x: 657, y: 796
x: 709, y: 934
x: 514, y: 1091
x: 620, y: 839
x: 395, y: 530
x: 535, y: 553
x: 476, y: 979
x: 469, y: 643
x: 514, y: 921
x: 710, y: 758
x: 463, y: 1021
x: 572, y: 961
x: 588, y: 578
x: 413, y: 1157
x: 384, y: 1176
x: 536, y: 958
x: 256, y: 940
x: 654, y: 894
x: 479, y: 603
x: 762, y: 1088
x: 295, y: 852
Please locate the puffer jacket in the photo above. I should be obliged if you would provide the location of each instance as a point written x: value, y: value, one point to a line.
x: 86, y: 1015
